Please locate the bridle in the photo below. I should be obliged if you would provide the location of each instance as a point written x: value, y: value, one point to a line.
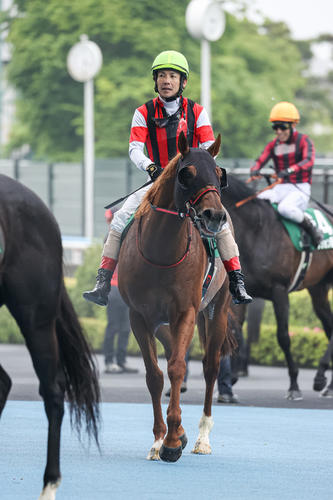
x: 190, y: 213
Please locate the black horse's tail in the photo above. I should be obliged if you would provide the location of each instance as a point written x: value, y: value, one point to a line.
x: 81, y: 376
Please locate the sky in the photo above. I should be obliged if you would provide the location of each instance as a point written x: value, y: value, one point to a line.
x: 305, y: 18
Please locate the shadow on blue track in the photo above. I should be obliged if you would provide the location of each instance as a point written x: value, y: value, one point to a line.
x: 257, y: 453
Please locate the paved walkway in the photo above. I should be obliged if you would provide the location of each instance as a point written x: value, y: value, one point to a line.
x: 265, y: 386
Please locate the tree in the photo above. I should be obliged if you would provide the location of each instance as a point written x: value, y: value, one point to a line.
x: 252, y: 68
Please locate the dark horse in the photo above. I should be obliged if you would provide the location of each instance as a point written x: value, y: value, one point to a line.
x: 269, y: 261
x: 32, y: 288
x: 162, y: 264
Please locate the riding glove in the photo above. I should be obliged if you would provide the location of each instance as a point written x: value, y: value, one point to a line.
x: 154, y: 171
x: 285, y: 173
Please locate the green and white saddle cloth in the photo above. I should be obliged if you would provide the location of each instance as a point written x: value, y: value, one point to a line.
x: 295, y: 232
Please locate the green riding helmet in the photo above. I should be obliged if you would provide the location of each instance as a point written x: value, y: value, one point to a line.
x: 171, y: 59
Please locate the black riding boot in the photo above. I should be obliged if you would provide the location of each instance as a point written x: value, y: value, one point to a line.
x: 99, y: 295
x: 237, y: 288
x: 315, y: 233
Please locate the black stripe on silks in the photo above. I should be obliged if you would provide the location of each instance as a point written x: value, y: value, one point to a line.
x: 190, y: 119
x: 298, y: 157
x: 152, y: 131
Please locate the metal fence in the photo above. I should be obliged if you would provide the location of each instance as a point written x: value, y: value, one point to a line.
x: 61, y: 186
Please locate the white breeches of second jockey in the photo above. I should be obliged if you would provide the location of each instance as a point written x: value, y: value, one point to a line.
x: 291, y: 201
x: 225, y: 241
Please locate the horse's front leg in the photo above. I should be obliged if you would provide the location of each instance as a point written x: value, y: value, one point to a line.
x: 154, y: 379
x: 182, y: 332
x: 281, y: 309
x: 215, y: 335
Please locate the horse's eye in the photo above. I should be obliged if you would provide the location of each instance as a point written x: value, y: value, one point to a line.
x: 186, y: 175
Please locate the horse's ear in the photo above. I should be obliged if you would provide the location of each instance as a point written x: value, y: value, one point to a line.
x: 214, y: 149
x: 183, y: 146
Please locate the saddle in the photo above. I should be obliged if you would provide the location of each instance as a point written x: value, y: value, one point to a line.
x: 300, y: 238
x: 303, y: 243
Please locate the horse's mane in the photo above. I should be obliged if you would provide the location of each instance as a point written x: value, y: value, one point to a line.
x: 237, y: 189
x: 169, y: 173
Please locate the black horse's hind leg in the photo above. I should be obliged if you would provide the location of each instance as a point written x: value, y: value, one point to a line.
x: 43, y: 348
x: 320, y: 379
x: 5, y: 386
x: 281, y: 308
x: 321, y: 306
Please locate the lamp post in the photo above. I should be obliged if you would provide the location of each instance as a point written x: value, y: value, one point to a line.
x: 84, y: 61
x: 205, y: 21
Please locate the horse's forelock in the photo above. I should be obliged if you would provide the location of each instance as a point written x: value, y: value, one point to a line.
x: 169, y: 172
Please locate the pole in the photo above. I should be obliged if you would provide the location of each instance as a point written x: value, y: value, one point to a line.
x: 205, y: 76
x: 89, y: 157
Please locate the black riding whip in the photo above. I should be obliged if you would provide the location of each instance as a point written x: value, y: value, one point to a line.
x: 124, y: 197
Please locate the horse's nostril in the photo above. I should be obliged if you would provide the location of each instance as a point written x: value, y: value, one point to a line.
x: 214, y: 215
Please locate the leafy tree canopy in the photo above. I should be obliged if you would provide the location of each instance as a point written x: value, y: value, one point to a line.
x: 253, y: 67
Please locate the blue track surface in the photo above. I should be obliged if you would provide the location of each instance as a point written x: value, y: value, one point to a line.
x: 257, y: 453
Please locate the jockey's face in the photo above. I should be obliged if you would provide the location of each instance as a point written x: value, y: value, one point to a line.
x: 168, y: 82
x: 283, y: 131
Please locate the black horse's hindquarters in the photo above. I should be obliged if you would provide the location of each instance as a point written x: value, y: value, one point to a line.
x: 31, y: 285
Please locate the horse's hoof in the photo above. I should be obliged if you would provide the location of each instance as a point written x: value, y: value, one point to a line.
x: 184, y: 440
x: 170, y: 454
x: 49, y: 491
x: 202, y: 448
x: 154, y: 450
x: 294, y: 395
x: 326, y: 393
x: 319, y: 382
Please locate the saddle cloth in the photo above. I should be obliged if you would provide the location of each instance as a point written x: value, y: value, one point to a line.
x: 295, y: 231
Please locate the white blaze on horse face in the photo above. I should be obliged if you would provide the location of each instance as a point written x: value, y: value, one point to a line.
x: 202, y: 445
x: 49, y: 492
x: 154, y: 451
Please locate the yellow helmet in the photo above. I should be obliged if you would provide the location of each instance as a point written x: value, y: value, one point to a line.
x: 284, y: 112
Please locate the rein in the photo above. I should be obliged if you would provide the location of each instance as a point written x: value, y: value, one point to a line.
x: 190, y: 212
x: 161, y: 266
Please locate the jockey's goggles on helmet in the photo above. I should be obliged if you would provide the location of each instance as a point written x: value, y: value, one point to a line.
x: 280, y: 125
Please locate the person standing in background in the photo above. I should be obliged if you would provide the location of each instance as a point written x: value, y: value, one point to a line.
x: 118, y: 325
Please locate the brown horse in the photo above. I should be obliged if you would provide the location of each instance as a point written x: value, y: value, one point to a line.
x: 162, y: 265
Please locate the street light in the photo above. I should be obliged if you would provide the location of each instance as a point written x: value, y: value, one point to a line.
x: 84, y: 61
x: 205, y: 21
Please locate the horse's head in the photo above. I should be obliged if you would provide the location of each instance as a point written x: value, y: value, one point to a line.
x: 198, y: 185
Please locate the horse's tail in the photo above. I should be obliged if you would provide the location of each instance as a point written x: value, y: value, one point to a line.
x: 230, y: 343
x: 81, y: 377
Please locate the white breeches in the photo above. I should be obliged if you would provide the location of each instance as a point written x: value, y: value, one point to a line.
x: 291, y: 201
x: 121, y: 217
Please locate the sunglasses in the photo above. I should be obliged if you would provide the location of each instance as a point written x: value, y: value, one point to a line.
x: 281, y: 126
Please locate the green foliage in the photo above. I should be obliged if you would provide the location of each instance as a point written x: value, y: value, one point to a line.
x: 308, y: 341
x: 300, y: 312
x: 307, y: 347
x: 247, y: 64
x: 9, y: 331
x: 85, y: 279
